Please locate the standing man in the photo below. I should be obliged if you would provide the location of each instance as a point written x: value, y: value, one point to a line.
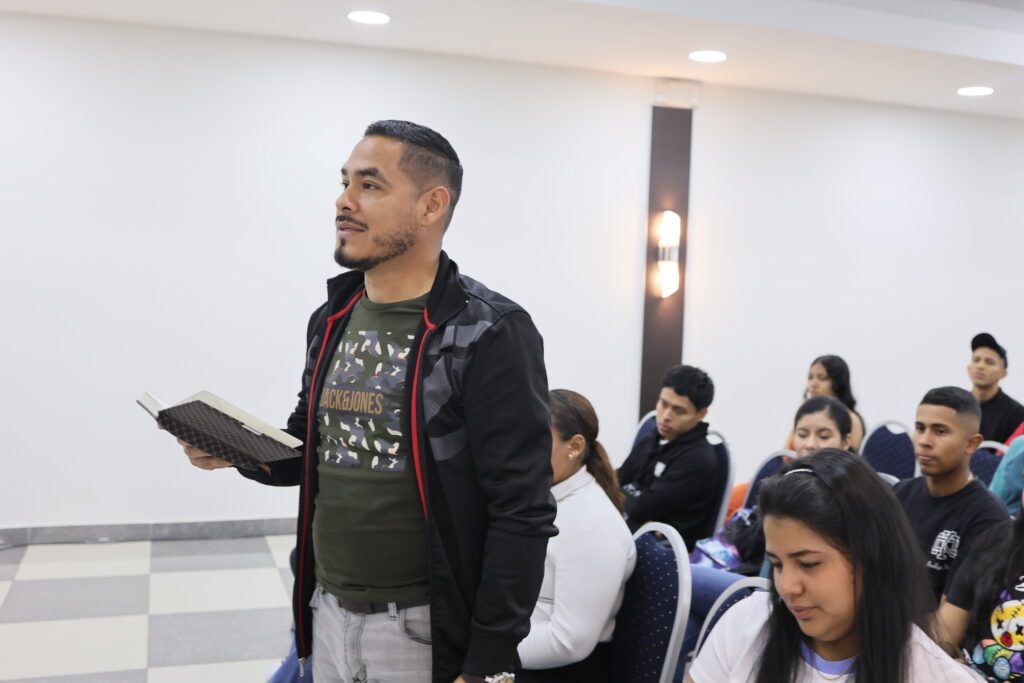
x: 1000, y: 414
x: 672, y: 475
x: 424, y: 503
x: 947, y: 507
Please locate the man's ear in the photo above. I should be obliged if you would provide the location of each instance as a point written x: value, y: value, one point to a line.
x: 702, y: 413
x: 435, y: 203
x: 974, y: 442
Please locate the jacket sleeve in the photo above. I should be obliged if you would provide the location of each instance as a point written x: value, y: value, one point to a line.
x: 1008, y: 482
x: 505, y: 399
x: 289, y: 472
x: 683, y: 484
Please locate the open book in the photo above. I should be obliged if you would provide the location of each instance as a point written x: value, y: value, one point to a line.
x: 211, y: 424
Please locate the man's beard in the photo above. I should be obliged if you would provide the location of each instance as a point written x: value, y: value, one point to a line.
x: 390, y: 246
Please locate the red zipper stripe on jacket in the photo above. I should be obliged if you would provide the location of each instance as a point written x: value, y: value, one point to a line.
x: 301, y: 564
x: 414, y: 425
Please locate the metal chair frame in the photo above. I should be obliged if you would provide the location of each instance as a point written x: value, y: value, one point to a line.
x: 754, y: 582
x: 730, y: 474
x: 756, y: 478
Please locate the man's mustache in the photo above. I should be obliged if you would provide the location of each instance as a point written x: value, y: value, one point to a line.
x: 348, y: 219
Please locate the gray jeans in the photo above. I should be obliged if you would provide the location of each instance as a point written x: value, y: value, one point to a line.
x: 389, y: 647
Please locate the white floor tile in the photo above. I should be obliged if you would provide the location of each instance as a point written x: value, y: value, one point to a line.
x: 4, y: 586
x: 227, y: 672
x: 73, y: 646
x: 210, y: 591
x: 65, y: 561
x: 281, y: 548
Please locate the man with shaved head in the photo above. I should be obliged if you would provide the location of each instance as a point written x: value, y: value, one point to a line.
x: 947, y: 507
x: 424, y: 502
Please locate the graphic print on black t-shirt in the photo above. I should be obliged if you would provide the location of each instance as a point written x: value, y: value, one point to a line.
x: 360, y: 407
x: 1001, y: 657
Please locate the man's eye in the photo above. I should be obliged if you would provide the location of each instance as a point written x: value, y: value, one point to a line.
x: 369, y: 186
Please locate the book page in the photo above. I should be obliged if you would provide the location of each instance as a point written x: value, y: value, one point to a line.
x: 151, y: 404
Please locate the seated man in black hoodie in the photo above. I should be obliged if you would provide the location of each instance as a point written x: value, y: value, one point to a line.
x: 673, y: 475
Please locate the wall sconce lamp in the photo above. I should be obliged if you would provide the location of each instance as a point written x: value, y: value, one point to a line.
x: 668, y: 253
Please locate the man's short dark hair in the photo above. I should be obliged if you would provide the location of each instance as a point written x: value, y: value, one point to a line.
x: 691, y: 382
x: 428, y: 158
x: 960, y: 400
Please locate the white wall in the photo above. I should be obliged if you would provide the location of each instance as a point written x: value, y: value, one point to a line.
x: 886, y: 235
x: 166, y: 201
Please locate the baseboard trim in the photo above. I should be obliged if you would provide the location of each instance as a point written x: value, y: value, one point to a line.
x: 114, y: 533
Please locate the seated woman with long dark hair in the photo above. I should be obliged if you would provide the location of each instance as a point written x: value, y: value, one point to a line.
x: 587, y: 563
x: 983, y: 615
x: 849, y: 597
x: 829, y: 375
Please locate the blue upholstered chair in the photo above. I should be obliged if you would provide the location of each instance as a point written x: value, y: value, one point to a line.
x: 724, y: 455
x: 727, y: 599
x: 889, y: 448
x: 650, y: 625
x: 769, y: 466
x: 985, y: 461
x: 646, y: 427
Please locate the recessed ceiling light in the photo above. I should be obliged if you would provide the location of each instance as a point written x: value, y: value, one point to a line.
x: 708, y: 56
x: 975, y: 91
x: 369, y: 17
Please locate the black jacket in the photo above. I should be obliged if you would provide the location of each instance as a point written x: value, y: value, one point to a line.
x: 477, y: 419
x: 683, y: 490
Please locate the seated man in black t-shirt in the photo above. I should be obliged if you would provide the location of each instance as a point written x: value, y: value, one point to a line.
x: 947, y: 507
x: 1000, y: 414
x: 672, y: 476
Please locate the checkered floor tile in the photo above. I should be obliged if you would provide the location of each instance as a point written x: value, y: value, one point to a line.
x: 156, y: 611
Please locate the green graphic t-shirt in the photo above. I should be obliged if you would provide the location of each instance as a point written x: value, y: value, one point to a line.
x: 368, y: 531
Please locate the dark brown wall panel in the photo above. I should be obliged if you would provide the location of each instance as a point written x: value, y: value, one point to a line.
x: 669, y: 191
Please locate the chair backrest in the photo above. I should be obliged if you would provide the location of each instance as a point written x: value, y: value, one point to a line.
x: 997, y: 447
x: 729, y: 597
x: 646, y: 427
x: 769, y: 466
x: 984, y: 463
x: 888, y: 478
x: 889, y: 448
x: 650, y: 625
x: 724, y: 457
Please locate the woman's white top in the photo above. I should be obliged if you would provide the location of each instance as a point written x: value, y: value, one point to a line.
x: 585, y: 571
x: 730, y: 655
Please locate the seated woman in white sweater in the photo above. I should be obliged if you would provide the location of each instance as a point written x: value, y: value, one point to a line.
x: 589, y: 560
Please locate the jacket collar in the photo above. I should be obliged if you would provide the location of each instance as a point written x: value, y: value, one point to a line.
x: 447, y: 295
x: 700, y: 431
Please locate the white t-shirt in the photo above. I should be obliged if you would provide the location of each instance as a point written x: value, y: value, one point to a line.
x: 731, y: 652
x: 585, y: 572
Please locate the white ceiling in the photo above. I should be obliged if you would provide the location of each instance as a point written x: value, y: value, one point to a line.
x: 913, y: 52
